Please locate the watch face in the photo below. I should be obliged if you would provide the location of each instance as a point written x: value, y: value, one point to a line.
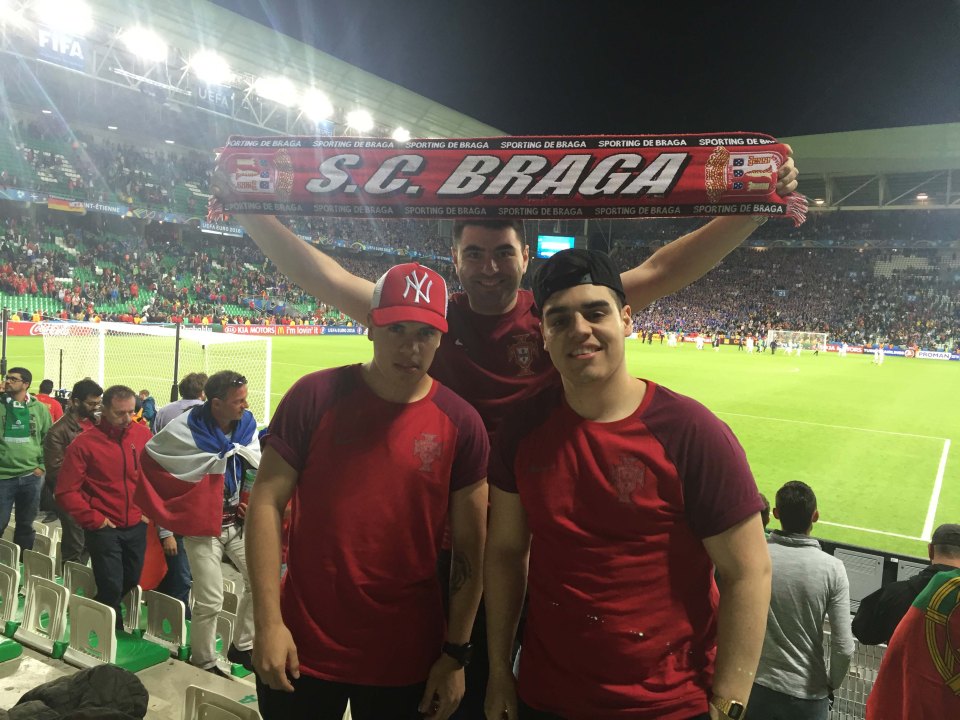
x: 736, y: 711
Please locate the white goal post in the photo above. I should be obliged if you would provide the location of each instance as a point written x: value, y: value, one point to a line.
x: 798, y: 338
x: 142, y: 357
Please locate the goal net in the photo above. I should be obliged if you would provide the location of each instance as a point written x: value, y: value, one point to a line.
x: 798, y: 338
x: 142, y: 357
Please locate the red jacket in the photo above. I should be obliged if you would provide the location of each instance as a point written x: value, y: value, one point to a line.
x: 100, y: 474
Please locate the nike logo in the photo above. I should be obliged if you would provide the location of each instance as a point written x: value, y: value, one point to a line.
x: 458, y: 343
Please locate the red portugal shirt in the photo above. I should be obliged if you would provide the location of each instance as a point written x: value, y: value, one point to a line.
x: 493, y: 361
x: 622, y: 616
x: 361, y: 595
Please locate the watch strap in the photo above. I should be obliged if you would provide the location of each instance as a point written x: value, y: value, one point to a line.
x: 733, y: 709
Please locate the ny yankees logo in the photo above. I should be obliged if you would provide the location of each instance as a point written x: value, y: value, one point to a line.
x: 416, y: 284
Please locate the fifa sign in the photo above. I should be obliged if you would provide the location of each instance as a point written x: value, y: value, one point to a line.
x: 61, y: 49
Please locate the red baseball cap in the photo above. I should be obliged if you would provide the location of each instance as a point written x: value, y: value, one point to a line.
x: 410, y: 293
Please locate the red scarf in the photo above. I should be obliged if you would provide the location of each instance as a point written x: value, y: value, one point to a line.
x: 506, y: 178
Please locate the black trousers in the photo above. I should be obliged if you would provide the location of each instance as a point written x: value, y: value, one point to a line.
x: 73, y: 542
x: 528, y: 713
x: 315, y: 699
x: 116, y: 555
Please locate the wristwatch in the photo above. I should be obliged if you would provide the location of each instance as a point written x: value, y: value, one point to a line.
x: 461, y: 653
x: 733, y: 709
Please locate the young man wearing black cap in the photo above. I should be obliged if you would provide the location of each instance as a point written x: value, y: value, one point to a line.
x: 881, y: 611
x: 374, y: 456
x: 623, y: 496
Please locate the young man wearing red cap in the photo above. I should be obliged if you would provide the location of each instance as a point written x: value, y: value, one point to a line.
x: 375, y: 457
x: 621, y: 497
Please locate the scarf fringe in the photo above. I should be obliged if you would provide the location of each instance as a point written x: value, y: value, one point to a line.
x: 797, y: 206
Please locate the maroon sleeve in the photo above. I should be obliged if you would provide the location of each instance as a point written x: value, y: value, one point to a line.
x: 718, y: 488
x: 473, y: 446
x: 522, y: 422
x: 500, y: 473
x: 298, y: 414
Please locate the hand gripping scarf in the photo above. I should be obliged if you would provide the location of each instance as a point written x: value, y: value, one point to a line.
x: 549, y: 177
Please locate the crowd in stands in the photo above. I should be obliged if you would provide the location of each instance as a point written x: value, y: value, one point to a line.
x: 831, y: 290
x: 93, y: 274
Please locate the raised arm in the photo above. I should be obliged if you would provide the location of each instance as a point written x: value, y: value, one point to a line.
x: 690, y: 257
x: 505, y: 584
x: 743, y: 565
x: 274, y: 652
x: 317, y: 273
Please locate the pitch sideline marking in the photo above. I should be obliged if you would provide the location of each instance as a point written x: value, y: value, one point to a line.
x: 835, y: 427
x: 935, y: 496
x: 868, y: 530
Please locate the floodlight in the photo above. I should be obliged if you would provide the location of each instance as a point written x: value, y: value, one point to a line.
x: 210, y: 67
x: 71, y: 17
x: 169, y: 142
x: 922, y: 196
x: 401, y: 134
x: 360, y: 120
x: 47, y: 112
x: 111, y: 127
x: 145, y: 43
x: 278, y: 89
x: 9, y: 16
x: 818, y: 201
x: 316, y: 105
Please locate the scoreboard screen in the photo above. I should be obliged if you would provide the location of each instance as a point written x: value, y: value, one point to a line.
x: 548, y: 245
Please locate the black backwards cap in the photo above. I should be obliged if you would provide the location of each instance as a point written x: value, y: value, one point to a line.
x: 569, y: 268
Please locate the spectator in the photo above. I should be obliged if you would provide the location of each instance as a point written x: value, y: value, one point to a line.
x: 366, y: 622
x: 194, y: 472
x: 793, y: 681
x: 24, y: 423
x: 621, y: 497
x: 84, y: 410
x: 191, y: 393
x: 146, y: 408
x: 100, y: 473
x: 53, y: 405
x: 917, y: 676
x: 881, y: 611
x: 765, y: 512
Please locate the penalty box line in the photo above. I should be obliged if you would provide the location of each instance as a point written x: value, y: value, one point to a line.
x: 869, y: 530
x: 927, y: 533
x: 825, y: 425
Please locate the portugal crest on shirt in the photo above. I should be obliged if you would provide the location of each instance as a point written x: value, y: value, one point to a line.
x: 628, y: 476
x: 522, y: 353
x: 427, y: 448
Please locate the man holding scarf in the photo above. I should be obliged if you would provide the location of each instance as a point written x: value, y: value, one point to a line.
x: 23, y: 423
x: 193, y: 470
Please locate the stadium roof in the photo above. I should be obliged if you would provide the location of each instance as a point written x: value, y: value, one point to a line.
x: 888, y: 168
x: 253, y: 50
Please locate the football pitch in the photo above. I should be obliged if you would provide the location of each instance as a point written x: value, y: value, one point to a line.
x: 873, y: 442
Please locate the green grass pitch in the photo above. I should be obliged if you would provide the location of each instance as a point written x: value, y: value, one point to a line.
x: 869, y: 440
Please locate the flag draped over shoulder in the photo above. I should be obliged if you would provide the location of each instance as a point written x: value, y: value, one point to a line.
x: 190, y: 466
x: 919, y: 676
x: 507, y: 178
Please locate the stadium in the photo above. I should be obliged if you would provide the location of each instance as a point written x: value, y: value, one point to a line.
x: 828, y: 348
